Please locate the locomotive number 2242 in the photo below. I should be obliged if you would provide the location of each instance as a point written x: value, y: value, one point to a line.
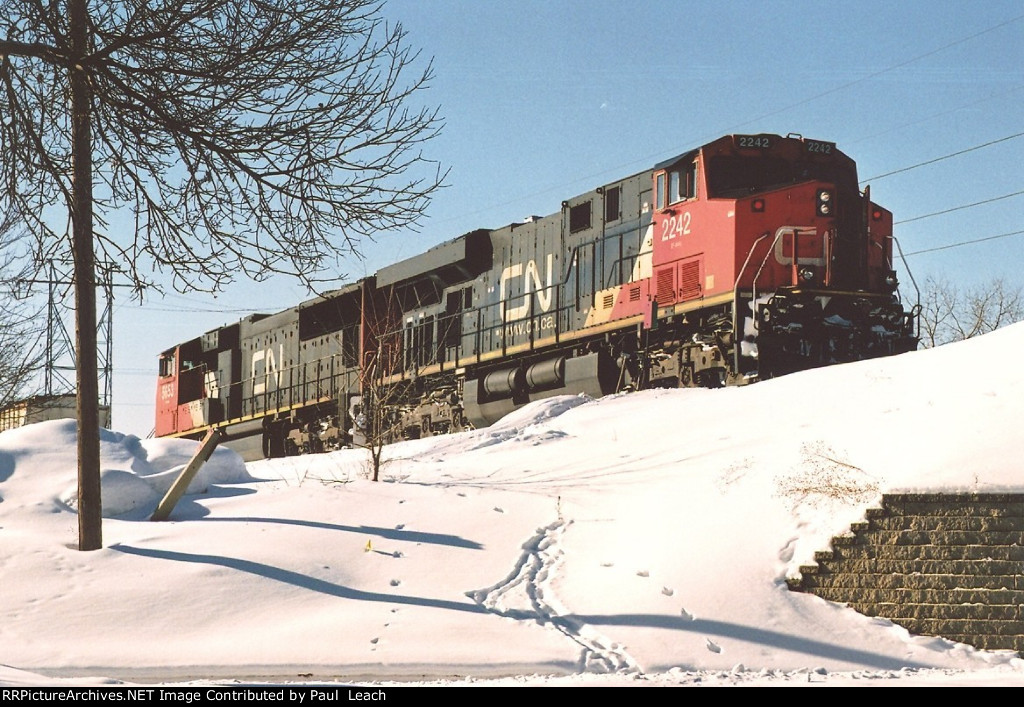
x: 675, y: 226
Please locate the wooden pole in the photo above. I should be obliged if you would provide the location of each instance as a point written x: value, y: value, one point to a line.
x: 90, y: 506
x: 177, y: 490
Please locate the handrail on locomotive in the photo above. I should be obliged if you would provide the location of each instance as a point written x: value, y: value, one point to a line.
x: 648, y: 280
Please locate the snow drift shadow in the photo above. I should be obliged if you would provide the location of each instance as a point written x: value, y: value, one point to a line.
x: 387, y: 533
x: 749, y: 634
x: 297, y: 579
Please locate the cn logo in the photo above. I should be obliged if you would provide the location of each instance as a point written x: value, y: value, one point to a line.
x: 264, y: 369
x: 531, y: 283
x: 211, y: 385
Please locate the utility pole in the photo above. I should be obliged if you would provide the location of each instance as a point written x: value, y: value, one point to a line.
x: 90, y: 505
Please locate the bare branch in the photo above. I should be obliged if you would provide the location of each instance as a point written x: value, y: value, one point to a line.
x: 238, y: 136
x: 949, y: 314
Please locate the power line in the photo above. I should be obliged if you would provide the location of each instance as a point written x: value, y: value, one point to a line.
x: 959, y: 208
x: 660, y: 155
x: 226, y: 310
x: 882, y: 71
x: 1001, y: 93
x: 940, y: 159
x: 963, y: 243
x: 203, y: 310
x: 876, y: 74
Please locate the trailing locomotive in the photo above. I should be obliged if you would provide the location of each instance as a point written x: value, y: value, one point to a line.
x: 749, y: 257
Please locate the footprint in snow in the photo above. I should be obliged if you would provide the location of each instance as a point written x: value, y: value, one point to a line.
x: 395, y: 582
x: 686, y: 615
x: 712, y: 646
x: 787, y: 551
x: 643, y: 573
x: 499, y: 509
x: 400, y: 526
x: 667, y: 591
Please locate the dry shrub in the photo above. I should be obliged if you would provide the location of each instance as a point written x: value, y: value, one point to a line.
x: 825, y: 477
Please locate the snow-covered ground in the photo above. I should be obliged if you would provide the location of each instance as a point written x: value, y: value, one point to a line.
x: 641, y: 539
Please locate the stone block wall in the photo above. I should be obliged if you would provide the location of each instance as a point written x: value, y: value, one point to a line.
x: 949, y: 565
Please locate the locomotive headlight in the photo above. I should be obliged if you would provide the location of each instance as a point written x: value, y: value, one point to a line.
x: 890, y: 280
x: 806, y: 273
x: 825, y: 202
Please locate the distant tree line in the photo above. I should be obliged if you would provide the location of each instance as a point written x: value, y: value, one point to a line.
x: 953, y: 313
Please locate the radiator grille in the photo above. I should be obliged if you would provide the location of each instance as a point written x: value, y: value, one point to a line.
x: 666, y: 286
x: 689, y: 279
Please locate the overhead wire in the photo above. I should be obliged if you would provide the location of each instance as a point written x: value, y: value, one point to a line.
x: 1002, y: 93
x: 882, y: 72
x: 959, y: 208
x: 940, y: 159
x: 789, y: 107
x: 873, y: 75
x: 963, y: 243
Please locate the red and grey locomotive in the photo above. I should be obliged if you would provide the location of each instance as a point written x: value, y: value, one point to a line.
x: 749, y: 257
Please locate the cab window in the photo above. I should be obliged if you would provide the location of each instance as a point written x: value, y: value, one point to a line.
x: 682, y: 183
x: 673, y: 187
x: 166, y: 365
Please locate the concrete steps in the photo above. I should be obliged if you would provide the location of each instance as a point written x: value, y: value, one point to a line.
x: 949, y: 565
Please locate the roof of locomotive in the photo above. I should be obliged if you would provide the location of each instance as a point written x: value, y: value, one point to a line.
x: 345, y: 289
x: 470, y: 252
x: 758, y: 141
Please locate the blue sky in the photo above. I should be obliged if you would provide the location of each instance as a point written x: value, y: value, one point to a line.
x: 545, y: 100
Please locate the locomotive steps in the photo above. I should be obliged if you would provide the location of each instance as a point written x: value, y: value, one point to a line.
x: 946, y: 565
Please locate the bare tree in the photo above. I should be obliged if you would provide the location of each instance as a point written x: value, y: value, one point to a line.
x: 239, y: 137
x: 949, y: 313
x: 396, y: 403
x: 378, y: 422
x: 376, y: 425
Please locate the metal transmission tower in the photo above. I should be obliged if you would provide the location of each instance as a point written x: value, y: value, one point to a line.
x: 59, y: 371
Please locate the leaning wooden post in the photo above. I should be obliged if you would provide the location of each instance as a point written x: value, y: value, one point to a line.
x: 180, y: 484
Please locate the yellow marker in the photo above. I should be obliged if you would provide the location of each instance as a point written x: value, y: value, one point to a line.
x: 369, y: 546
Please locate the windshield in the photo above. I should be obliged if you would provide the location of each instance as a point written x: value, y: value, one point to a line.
x: 739, y: 175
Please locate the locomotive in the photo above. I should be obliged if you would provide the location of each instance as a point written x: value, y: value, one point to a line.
x: 743, y: 259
